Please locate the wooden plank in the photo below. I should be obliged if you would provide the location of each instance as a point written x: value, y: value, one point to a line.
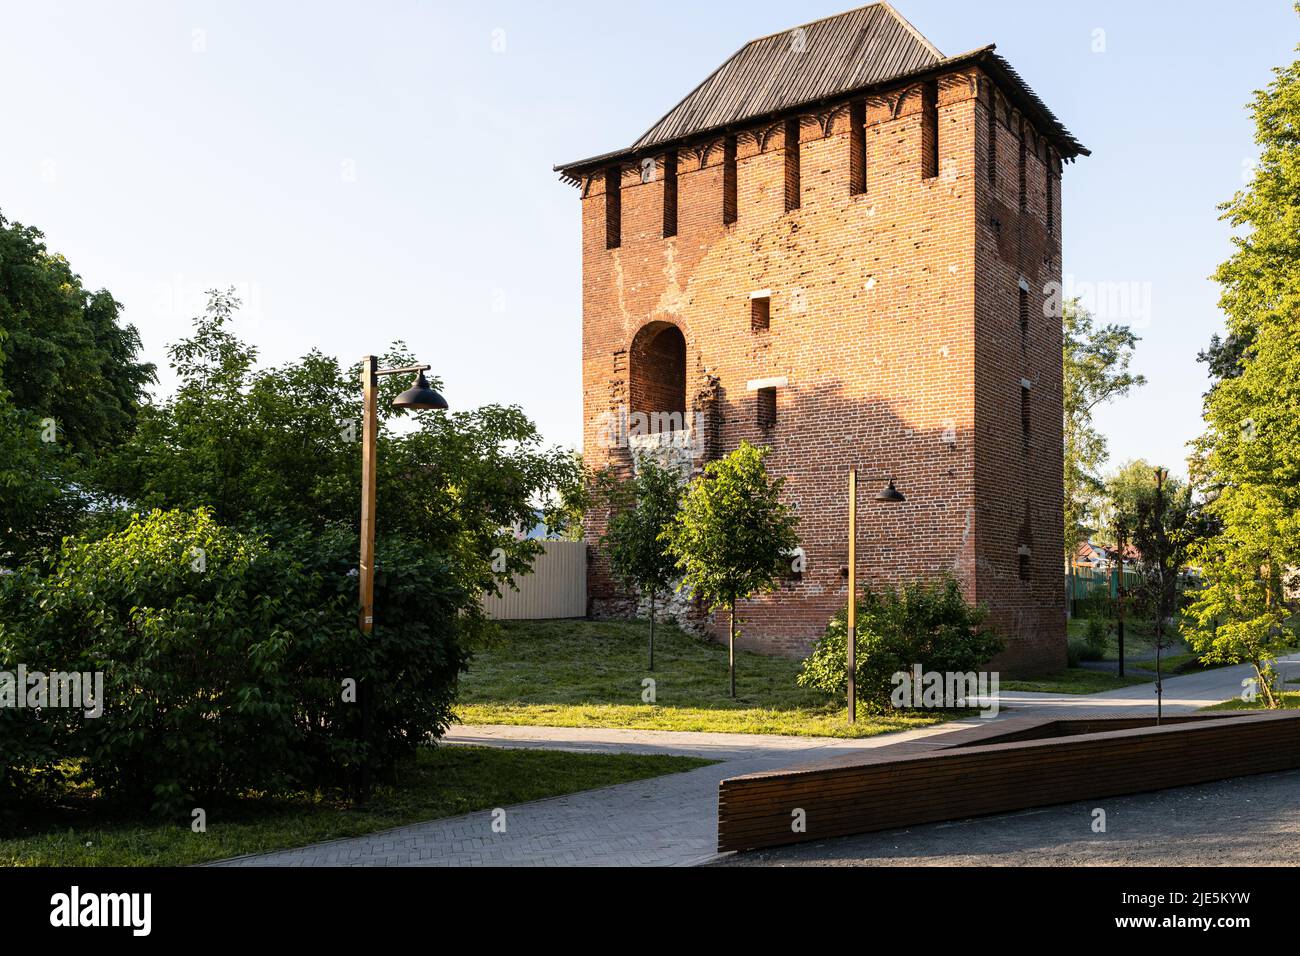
x: 971, y: 777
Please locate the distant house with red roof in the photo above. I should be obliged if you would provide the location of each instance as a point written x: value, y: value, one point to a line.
x: 1089, y: 554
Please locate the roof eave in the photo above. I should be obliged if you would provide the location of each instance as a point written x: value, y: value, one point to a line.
x: 1029, y: 102
x: 1026, y: 100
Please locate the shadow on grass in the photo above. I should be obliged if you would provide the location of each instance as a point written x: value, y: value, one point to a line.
x: 81, y: 829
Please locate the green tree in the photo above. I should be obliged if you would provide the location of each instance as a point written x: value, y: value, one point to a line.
x: 1165, y: 528
x: 64, y: 353
x: 277, y: 449
x: 641, y: 508
x: 1236, y: 616
x: 70, y: 386
x: 1157, y: 514
x: 1124, y: 494
x: 1248, y: 458
x: 567, y: 503
x: 40, y: 501
x: 733, y: 536
x: 1095, y: 371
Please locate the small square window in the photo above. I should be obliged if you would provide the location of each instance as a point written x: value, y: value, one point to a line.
x: 760, y: 313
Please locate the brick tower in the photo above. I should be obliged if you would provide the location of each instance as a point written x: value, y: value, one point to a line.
x: 847, y: 247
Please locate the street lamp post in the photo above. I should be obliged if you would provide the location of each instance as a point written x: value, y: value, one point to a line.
x: 1121, y: 542
x: 418, y: 396
x: 1159, y: 538
x: 888, y: 494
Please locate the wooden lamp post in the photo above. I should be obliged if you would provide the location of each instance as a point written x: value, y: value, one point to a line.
x: 1121, y: 544
x: 888, y: 494
x: 1162, y: 474
x: 418, y: 396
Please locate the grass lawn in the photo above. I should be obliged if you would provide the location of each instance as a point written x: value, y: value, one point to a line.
x: 1139, y: 634
x: 1188, y: 663
x: 1139, y: 640
x: 1176, y: 665
x: 1080, y: 680
x: 589, y: 674
x: 1075, y: 680
x: 443, y: 782
x: 1290, y: 701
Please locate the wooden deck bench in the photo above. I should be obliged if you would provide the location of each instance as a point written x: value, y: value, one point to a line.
x: 998, y: 767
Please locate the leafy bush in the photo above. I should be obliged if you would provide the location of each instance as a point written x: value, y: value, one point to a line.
x: 927, y: 624
x: 225, y: 658
x: 1079, y: 649
x: 1097, y: 603
x: 29, y: 756
x: 227, y: 676
x: 1096, y: 630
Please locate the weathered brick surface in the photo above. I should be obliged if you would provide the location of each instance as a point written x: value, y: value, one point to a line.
x: 895, y: 321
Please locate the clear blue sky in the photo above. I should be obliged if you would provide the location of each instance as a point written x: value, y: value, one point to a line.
x: 371, y: 171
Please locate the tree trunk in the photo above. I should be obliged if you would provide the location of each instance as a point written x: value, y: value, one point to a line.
x: 1159, y: 684
x: 1119, y: 601
x: 652, y: 629
x: 1069, y: 587
x: 1264, y: 686
x: 731, y: 648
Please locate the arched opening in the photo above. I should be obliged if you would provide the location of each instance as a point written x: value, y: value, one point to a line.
x: 657, y: 394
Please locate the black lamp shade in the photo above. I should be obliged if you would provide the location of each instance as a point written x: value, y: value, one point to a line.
x: 420, y: 395
x: 890, y: 493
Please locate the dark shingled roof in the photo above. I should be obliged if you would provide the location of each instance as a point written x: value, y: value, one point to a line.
x: 851, y: 52
x: 781, y: 71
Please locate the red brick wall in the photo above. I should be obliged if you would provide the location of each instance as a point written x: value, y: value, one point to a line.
x: 1018, y: 488
x: 894, y: 320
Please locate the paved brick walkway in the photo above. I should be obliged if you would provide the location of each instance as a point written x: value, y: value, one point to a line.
x: 669, y: 820
x: 665, y: 821
x: 1182, y: 695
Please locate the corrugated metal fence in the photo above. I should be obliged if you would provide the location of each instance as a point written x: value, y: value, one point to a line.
x: 556, y: 588
x: 1087, y: 580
